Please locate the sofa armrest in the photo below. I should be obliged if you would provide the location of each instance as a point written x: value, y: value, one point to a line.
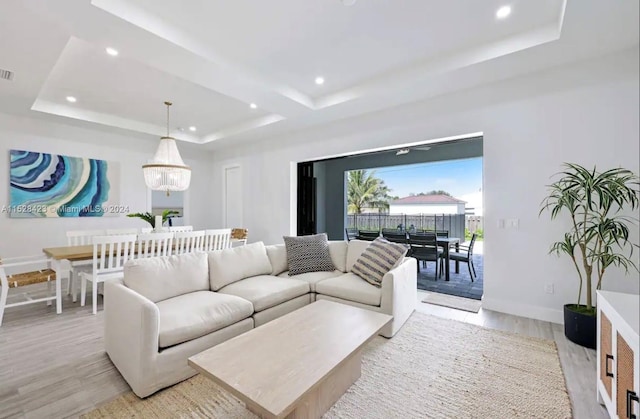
x: 131, y: 332
x: 399, y: 294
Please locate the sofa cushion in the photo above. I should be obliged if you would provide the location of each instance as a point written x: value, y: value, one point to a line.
x: 308, y: 254
x: 338, y: 253
x: 354, y: 250
x: 278, y: 257
x: 190, y: 316
x: 165, y: 277
x: 266, y: 291
x: 350, y: 287
x: 379, y: 258
x: 230, y: 265
x: 312, y: 278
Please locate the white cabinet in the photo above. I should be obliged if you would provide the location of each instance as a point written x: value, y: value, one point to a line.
x: 618, y: 354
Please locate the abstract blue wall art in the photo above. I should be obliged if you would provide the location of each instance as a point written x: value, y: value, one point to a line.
x: 50, y: 185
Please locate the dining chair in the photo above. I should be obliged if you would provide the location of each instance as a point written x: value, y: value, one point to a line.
x: 217, y: 239
x: 180, y: 229
x: 465, y: 255
x: 239, y: 236
x: 20, y: 271
x: 188, y: 242
x: 367, y: 235
x: 122, y: 231
x: 79, y: 238
x: 154, y: 244
x: 424, y: 247
x: 110, y: 253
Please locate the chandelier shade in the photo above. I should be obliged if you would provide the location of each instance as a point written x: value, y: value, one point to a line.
x: 167, y: 171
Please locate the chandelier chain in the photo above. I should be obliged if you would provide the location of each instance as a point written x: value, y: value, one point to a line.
x: 168, y: 105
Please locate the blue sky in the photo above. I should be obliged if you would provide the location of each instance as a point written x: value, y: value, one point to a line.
x: 458, y: 177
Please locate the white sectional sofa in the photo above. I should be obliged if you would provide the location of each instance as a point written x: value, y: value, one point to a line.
x: 168, y: 309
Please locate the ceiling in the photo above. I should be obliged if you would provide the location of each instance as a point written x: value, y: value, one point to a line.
x: 213, y: 59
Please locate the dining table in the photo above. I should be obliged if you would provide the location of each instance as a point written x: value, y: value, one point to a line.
x: 447, y: 243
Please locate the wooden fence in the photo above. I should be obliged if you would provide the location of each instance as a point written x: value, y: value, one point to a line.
x: 473, y: 223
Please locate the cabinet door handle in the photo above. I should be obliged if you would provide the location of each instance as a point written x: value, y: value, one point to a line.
x: 606, y: 365
x: 631, y: 397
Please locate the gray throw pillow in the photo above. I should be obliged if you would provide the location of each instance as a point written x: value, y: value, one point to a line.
x: 379, y: 258
x: 308, y: 254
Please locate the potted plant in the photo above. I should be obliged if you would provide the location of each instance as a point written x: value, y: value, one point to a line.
x: 598, y: 235
x: 148, y: 217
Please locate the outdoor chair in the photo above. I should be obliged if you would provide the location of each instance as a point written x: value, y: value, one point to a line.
x: 424, y: 247
x: 351, y: 233
x: 396, y: 237
x: 466, y: 255
x: 392, y: 230
x: 367, y: 235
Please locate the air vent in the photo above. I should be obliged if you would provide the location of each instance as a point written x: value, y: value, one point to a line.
x: 6, y: 74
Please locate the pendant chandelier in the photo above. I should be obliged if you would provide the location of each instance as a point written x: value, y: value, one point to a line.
x: 167, y: 172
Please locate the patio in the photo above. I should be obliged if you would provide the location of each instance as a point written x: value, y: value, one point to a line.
x: 460, y: 284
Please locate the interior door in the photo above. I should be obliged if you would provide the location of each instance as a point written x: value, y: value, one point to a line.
x: 233, y: 205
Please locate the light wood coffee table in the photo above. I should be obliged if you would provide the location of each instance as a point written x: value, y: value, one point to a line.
x: 296, y: 366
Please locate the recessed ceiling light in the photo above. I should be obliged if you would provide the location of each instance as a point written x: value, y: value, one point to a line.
x: 503, y: 12
x: 319, y: 80
x: 193, y: 129
x: 112, y: 51
x: 71, y: 99
x: 253, y: 106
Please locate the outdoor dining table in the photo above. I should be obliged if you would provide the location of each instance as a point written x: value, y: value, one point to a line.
x: 446, y: 243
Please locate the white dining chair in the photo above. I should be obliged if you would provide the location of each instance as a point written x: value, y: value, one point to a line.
x: 20, y: 271
x: 110, y: 253
x: 180, y: 229
x: 121, y: 231
x: 188, y: 242
x: 155, y: 244
x: 79, y: 238
x: 217, y: 239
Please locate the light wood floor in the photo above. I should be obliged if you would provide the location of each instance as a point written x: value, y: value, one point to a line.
x: 54, y: 366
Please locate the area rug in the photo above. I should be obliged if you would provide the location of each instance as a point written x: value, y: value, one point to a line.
x: 459, y: 303
x: 433, y: 368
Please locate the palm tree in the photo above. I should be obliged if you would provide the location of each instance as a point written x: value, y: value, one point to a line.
x: 365, y: 190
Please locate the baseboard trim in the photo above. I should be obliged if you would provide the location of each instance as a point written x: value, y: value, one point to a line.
x: 523, y: 310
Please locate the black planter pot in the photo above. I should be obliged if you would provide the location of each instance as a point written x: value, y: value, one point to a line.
x: 580, y: 328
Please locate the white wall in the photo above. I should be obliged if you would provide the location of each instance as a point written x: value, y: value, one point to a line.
x: 28, y: 236
x: 586, y: 113
x: 427, y: 209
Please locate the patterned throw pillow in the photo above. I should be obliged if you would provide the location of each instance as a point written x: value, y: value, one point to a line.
x: 379, y: 258
x: 308, y: 254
